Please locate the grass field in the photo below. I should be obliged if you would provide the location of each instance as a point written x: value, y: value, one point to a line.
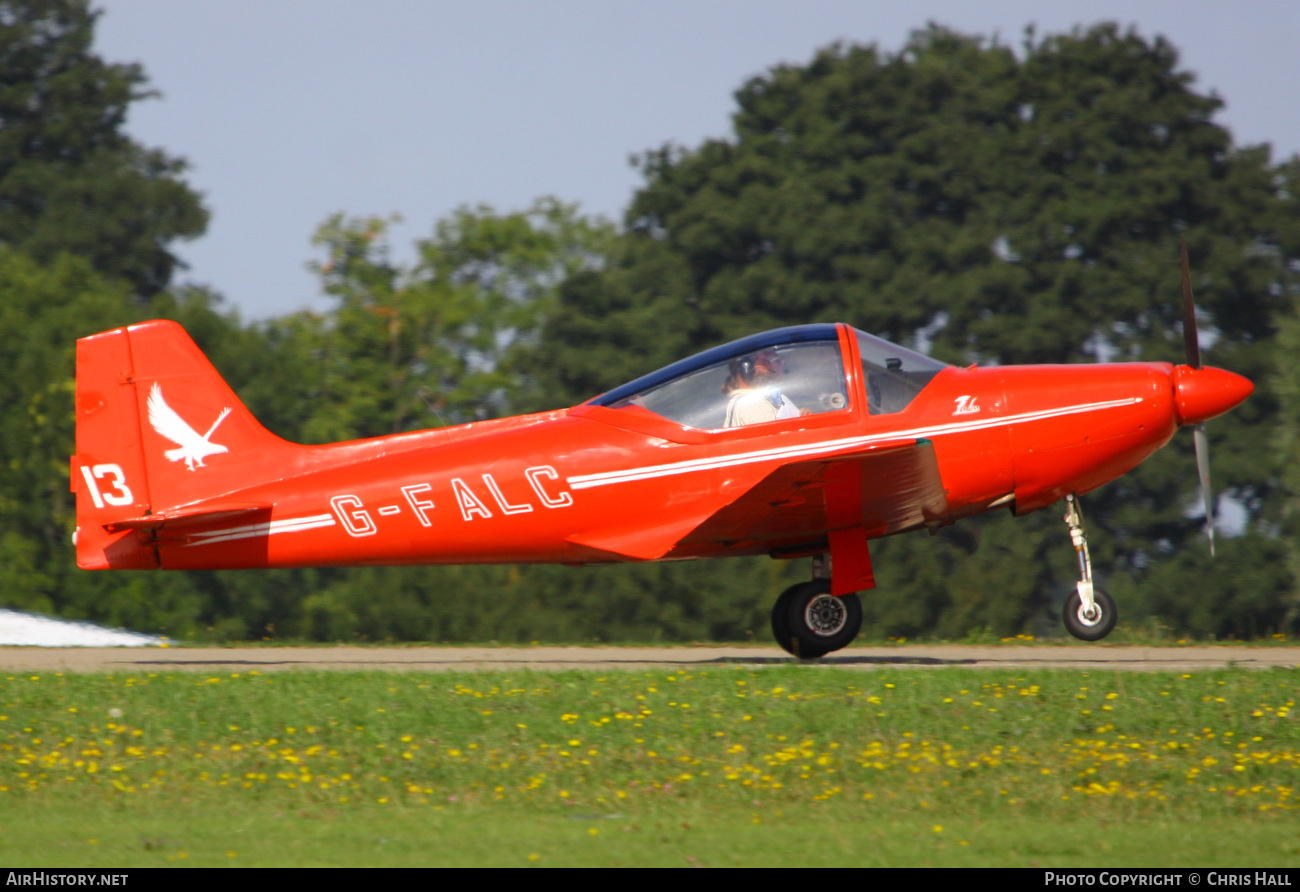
x: 783, y: 765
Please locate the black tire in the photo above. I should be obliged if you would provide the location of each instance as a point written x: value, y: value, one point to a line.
x: 1092, y: 628
x: 781, y: 618
x: 815, y: 622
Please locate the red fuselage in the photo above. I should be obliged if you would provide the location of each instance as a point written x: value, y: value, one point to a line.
x: 593, y: 484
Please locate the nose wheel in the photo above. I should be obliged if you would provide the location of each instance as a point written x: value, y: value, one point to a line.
x: 1089, y: 624
x: 1089, y: 613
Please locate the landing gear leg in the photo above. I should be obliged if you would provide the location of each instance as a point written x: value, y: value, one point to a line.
x: 1089, y: 613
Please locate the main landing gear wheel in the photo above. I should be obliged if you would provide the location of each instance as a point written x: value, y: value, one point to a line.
x: 1088, y: 626
x: 809, y: 622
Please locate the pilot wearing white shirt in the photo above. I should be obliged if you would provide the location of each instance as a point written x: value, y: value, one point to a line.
x: 754, y: 396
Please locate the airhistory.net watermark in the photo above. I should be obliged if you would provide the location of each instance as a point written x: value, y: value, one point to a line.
x: 63, y: 878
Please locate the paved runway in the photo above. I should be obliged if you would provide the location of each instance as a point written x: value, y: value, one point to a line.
x: 472, y: 659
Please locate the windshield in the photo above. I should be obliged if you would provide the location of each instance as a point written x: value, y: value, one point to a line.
x: 774, y: 376
x: 894, y: 375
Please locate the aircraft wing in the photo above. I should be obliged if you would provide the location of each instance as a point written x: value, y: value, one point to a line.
x: 885, y: 488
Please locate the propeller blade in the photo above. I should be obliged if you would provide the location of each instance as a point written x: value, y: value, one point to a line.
x: 1202, y: 442
x: 1191, y: 340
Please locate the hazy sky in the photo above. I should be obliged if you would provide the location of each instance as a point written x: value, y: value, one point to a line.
x: 291, y: 110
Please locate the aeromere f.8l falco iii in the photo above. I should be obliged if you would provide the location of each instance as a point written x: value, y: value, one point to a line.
x: 804, y: 442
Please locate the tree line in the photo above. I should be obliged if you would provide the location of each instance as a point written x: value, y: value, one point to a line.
x: 983, y: 203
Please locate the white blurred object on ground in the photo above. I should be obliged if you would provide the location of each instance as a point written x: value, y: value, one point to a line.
x: 29, y: 630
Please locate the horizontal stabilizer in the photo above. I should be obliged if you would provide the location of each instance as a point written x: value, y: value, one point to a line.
x: 185, y: 518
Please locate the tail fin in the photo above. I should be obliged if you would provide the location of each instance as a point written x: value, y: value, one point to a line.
x: 160, y: 436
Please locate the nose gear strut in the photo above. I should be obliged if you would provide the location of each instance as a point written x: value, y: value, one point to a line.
x: 1089, y: 613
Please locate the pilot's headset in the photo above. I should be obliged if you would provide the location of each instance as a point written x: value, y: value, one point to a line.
x: 742, y: 367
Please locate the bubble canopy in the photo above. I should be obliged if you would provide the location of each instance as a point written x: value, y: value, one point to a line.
x: 800, y: 372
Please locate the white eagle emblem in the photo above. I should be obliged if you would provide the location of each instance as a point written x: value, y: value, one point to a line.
x: 191, y: 447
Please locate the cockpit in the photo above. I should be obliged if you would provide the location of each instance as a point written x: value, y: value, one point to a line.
x: 777, y: 375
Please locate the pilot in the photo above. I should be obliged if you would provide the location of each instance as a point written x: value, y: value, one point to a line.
x: 754, y: 396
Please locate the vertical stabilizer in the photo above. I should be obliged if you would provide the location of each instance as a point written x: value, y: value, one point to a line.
x: 158, y: 429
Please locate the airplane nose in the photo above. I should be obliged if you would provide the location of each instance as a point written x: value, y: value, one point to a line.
x: 1203, y: 393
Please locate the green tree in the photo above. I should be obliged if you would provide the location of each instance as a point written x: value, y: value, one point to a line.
x: 86, y: 220
x: 1009, y: 209
x: 1284, y: 381
x: 70, y: 178
x: 404, y: 347
x: 434, y: 344
x: 985, y: 205
x: 44, y: 310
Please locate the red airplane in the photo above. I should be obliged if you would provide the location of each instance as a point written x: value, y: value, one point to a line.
x: 801, y: 442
